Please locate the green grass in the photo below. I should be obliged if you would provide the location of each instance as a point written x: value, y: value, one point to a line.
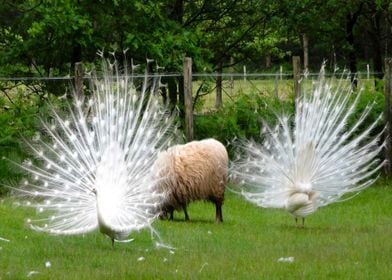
x: 235, y: 89
x: 350, y: 240
x: 280, y: 88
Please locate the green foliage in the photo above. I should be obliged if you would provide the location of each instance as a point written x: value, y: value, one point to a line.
x: 44, y: 35
x: 242, y: 118
x: 369, y: 97
x: 47, y: 37
x: 18, y: 120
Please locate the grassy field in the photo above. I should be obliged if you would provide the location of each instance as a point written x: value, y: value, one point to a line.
x: 282, y: 89
x: 350, y: 240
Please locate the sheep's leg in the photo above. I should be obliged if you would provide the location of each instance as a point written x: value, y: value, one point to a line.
x: 218, y: 215
x: 171, y: 217
x: 185, y: 212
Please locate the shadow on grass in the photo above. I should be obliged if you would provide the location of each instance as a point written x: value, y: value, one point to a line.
x: 320, y: 230
x: 192, y: 221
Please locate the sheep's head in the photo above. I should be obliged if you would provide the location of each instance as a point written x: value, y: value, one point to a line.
x: 165, y: 212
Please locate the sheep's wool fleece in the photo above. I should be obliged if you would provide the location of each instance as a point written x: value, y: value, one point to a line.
x: 193, y: 171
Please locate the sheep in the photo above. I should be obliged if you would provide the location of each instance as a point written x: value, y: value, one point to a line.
x: 194, y: 171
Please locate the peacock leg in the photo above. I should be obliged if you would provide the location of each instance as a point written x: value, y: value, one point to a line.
x: 218, y: 215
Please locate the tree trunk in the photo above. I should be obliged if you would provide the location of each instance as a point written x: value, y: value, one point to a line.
x: 352, y: 58
x: 351, y: 20
x: 231, y: 77
x: 76, y: 55
x: 177, y: 12
x: 172, y: 88
x: 181, y: 101
x: 218, y: 100
x: 377, y: 48
x: 268, y: 62
x: 305, y: 40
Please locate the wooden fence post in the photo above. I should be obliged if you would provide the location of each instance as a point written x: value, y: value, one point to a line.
x: 276, y: 87
x: 387, y: 115
x: 218, y: 98
x: 187, y: 64
x: 79, y: 79
x: 305, y: 41
x: 368, y: 71
x: 281, y: 72
x: 297, y: 76
x: 244, y: 72
x: 231, y: 76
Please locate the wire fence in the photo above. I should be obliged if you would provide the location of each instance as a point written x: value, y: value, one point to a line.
x: 205, y: 85
x: 244, y: 76
x: 210, y: 90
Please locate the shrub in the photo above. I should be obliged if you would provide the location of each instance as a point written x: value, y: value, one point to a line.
x: 18, y: 120
x: 241, y: 118
x: 369, y: 96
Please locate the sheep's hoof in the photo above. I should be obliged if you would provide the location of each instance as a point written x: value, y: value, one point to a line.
x: 219, y: 220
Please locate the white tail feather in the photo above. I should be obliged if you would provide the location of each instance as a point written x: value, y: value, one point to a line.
x: 94, y: 166
x: 318, y: 161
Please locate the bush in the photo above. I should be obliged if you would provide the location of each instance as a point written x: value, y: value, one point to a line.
x: 375, y: 98
x: 242, y: 118
x: 18, y: 120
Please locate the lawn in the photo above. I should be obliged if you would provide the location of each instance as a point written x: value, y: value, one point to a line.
x: 350, y: 240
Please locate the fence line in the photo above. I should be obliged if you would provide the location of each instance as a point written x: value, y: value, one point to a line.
x: 188, y: 76
x: 195, y: 75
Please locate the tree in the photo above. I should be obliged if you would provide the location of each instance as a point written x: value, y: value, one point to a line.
x: 45, y: 38
x: 226, y: 29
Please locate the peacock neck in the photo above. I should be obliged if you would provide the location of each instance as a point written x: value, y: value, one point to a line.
x: 103, y: 223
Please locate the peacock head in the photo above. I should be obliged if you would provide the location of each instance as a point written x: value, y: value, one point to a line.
x: 94, y: 191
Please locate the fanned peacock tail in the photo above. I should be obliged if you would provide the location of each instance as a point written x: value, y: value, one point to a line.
x: 316, y: 153
x: 93, y: 168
